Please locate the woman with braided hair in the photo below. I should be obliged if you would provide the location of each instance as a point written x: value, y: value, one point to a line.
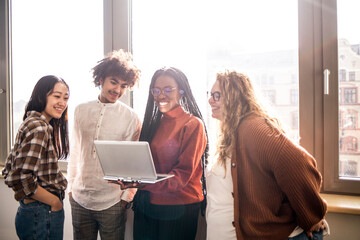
x: 174, y: 127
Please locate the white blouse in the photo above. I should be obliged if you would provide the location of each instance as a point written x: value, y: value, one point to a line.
x: 220, y: 203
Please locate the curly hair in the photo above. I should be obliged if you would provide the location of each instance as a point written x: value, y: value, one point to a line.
x: 238, y: 102
x: 117, y: 63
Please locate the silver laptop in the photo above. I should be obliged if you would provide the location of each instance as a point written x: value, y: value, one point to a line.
x: 127, y: 161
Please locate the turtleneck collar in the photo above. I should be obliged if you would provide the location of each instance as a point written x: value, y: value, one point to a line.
x: 175, y: 113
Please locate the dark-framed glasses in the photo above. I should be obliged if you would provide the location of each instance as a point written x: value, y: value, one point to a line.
x: 166, y: 91
x: 215, y: 95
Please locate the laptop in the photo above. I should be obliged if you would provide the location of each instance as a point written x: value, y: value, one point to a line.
x: 127, y: 161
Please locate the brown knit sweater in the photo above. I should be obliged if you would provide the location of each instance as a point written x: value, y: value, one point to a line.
x: 276, y: 184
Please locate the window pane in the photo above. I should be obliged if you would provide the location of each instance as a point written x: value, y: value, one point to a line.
x: 349, y: 83
x: 203, y: 37
x: 55, y: 38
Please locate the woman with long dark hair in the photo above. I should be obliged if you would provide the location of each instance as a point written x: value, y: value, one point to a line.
x: 31, y: 168
x: 174, y: 127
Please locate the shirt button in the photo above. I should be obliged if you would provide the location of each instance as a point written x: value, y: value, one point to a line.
x: 233, y: 165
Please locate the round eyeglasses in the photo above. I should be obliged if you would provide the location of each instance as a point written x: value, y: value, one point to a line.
x: 166, y: 91
x: 215, y: 96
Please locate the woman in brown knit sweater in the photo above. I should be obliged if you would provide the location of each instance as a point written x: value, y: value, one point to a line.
x: 275, y: 184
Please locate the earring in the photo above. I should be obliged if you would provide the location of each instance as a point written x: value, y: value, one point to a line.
x: 181, y: 91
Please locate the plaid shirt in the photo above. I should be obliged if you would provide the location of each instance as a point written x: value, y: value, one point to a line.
x: 33, y: 159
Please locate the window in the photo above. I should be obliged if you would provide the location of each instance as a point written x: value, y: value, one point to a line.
x: 340, y: 98
x: 295, y: 120
x: 270, y: 96
x: 294, y: 96
x: 342, y: 75
x: 348, y: 144
x: 55, y: 46
x: 348, y: 119
x: 5, y: 73
x: 352, y: 76
x: 348, y: 168
x: 271, y: 80
x: 264, y: 79
x: 204, y: 42
x: 338, y: 152
x: 349, y: 95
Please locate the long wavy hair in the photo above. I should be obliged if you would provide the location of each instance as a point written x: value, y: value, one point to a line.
x: 153, y: 115
x: 38, y: 102
x: 238, y: 102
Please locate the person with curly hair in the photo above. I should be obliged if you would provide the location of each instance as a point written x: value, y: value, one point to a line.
x: 96, y: 205
x: 262, y: 185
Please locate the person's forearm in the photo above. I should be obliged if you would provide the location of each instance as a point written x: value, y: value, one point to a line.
x: 44, y: 196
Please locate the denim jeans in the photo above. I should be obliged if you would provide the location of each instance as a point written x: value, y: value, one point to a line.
x: 36, y: 221
x: 316, y: 236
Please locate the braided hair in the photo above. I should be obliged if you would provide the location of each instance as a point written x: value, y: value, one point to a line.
x: 153, y: 115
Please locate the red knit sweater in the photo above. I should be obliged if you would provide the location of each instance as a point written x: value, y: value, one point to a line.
x: 177, y: 148
x: 276, y: 184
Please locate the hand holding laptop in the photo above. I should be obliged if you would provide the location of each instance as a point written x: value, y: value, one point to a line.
x: 126, y: 185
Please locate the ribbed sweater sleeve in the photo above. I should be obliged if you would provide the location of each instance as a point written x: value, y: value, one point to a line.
x: 278, y: 183
x: 295, y: 172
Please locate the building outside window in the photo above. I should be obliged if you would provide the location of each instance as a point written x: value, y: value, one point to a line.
x: 349, y: 95
x: 270, y: 96
x: 294, y: 96
x: 342, y: 75
x: 352, y: 76
x: 295, y: 120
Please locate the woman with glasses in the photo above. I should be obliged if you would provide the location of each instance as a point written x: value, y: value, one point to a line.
x: 174, y: 127
x: 262, y: 186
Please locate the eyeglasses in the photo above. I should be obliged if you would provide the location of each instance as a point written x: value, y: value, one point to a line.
x: 166, y: 91
x: 215, y: 95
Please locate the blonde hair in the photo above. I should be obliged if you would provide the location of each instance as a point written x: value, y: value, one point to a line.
x: 238, y: 102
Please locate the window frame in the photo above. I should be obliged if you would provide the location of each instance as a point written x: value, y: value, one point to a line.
x: 117, y: 29
x: 319, y: 111
x: 5, y: 85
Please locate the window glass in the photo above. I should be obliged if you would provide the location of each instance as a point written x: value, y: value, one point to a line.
x: 55, y: 38
x: 349, y: 107
x: 259, y: 38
